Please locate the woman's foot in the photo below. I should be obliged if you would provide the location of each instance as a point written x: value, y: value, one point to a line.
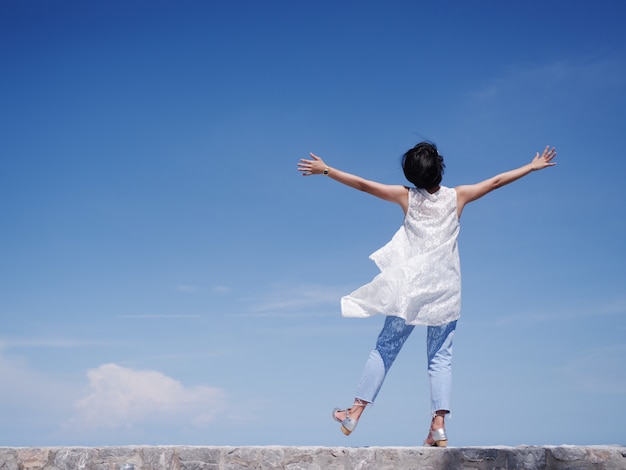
x: 350, y: 417
x: 437, y: 436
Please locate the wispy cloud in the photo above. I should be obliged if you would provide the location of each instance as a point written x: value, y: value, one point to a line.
x: 288, y: 300
x: 120, y: 397
x: 611, y: 307
x: 554, y: 76
x: 615, y: 306
x: 278, y: 314
x: 27, y: 390
x: 186, y: 288
x: 192, y: 356
x: 598, y: 370
x: 9, y: 343
x: 221, y: 289
x: 165, y: 316
x: 189, y: 289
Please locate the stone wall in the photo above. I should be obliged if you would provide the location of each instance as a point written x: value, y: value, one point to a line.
x: 313, y: 458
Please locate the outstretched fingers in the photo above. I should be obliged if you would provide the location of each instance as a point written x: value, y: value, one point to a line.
x: 304, y: 167
x: 549, y: 154
x: 545, y: 159
x: 307, y: 167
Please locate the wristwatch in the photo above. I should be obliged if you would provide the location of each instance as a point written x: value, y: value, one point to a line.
x: 326, y: 171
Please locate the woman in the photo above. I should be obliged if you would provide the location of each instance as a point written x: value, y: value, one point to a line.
x: 420, y: 278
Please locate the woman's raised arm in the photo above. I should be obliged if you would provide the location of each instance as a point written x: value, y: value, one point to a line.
x: 468, y: 193
x: 392, y: 193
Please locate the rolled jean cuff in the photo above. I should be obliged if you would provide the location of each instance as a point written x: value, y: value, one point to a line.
x: 372, y: 378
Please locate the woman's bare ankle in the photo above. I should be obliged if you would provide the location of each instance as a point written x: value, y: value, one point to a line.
x: 438, y: 420
x: 357, y: 409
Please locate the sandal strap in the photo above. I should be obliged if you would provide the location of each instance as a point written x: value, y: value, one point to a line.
x: 439, y: 435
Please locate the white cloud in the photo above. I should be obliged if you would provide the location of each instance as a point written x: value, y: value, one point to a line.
x: 120, y: 397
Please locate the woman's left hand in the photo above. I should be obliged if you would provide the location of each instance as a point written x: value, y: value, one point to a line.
x: 545, y: 159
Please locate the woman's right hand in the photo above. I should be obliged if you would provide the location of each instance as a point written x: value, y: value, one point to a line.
x: 316, y: 166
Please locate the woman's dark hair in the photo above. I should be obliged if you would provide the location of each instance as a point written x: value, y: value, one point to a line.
x: 423, y: 166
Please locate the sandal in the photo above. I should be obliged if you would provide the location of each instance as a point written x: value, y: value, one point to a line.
x: 348, y: 424
x: 440, y: 439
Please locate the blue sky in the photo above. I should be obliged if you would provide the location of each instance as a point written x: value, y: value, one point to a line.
x: 168, y: 277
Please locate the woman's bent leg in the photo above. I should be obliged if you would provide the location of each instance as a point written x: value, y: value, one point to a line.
x: 390, y: 340
x: 439, y: 349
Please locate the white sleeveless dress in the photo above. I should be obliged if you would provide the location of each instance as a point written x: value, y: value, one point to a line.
x: 420, y: 278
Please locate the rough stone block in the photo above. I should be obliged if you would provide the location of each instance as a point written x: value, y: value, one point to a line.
x: 315, y: 458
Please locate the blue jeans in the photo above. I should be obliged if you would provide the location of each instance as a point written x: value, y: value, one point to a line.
x: 391, y: 339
